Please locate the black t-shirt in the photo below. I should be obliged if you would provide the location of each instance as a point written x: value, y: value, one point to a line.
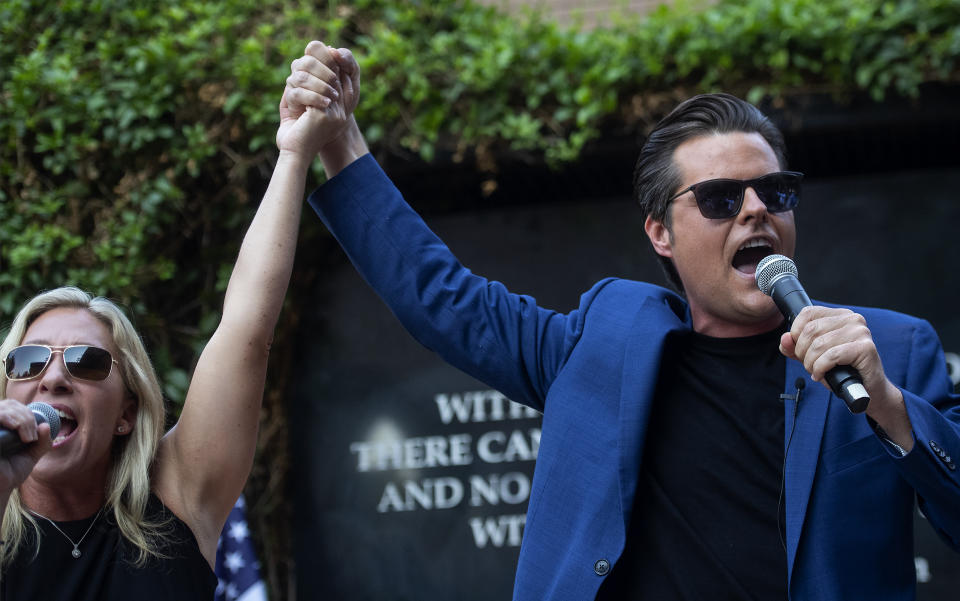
x: 103, y: 572
x: 707, y: 517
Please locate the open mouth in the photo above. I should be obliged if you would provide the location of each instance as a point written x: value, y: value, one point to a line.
x: 68, y: 425
x: 752, y: 252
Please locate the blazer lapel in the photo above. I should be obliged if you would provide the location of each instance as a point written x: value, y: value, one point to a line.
x: 644, y: 349
x: 802, y: 450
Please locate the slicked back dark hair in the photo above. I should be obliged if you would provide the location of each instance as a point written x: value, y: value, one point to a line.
x: 656, y: 178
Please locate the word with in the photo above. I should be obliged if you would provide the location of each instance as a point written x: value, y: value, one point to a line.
x: 480, y: 406
x: 498, y: 531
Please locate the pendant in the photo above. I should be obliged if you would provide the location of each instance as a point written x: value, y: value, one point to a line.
x: 75, y: 553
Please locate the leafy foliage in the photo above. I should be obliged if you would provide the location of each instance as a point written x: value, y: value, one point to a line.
x: 136, y: 136
x: 456, y: 78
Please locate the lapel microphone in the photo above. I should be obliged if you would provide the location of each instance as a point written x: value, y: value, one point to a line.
x: 800, y: 384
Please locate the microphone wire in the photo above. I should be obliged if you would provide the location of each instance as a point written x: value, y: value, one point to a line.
x: 800, y: 384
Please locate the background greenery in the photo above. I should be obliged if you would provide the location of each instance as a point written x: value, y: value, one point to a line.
x: 136, y: 136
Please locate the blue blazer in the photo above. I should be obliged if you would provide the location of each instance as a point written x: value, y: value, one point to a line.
x: 849, y: 495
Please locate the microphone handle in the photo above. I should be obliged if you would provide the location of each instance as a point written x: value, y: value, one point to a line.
x: 790, y: 297
x: 844, y: 381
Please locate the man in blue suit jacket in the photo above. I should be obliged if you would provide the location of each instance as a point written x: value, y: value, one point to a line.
x: 688, y: 450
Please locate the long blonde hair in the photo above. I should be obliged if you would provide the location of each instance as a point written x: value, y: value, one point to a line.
x: 128, y: 480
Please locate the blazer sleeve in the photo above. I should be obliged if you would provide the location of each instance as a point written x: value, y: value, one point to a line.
x: 475, y: 324
x: 933, y: 465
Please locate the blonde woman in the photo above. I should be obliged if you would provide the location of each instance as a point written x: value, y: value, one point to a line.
x: 113, y: 507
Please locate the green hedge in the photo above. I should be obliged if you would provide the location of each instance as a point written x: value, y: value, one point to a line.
x: 136, y: 138
x: 137, y: 135
x: 470, y: 78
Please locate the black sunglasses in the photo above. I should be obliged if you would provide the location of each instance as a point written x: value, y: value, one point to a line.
x: 82, y: 361
x: 722, y: 198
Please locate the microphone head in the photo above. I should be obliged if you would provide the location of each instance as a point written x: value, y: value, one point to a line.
x: 771, y: 268
x: 46, y: 413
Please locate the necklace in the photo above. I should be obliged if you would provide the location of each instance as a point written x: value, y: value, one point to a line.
x: 76, y: 545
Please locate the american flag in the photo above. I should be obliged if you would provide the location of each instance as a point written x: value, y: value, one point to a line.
x: 237, y: 568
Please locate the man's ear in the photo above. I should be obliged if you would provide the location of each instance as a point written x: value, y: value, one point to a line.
x: 659, y: 236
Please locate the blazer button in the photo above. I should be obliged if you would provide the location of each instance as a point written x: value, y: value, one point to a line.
x: 935, y: 447
x: 602, y: 567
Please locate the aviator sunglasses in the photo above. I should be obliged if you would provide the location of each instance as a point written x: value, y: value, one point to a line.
x: 722, y: 198
x: 82, y: 361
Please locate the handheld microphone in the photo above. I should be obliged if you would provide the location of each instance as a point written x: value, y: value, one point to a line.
x: 777, y: 278
x: 10, y: 443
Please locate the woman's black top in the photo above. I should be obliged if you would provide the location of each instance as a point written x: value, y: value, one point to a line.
x: 105, y: 571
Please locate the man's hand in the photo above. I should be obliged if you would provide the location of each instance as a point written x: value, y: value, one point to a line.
x: 822, y: 338
x: 346, y: 68
x: 327, y: 79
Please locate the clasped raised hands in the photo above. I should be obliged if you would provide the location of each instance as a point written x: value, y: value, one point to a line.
x: 319, y: 99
